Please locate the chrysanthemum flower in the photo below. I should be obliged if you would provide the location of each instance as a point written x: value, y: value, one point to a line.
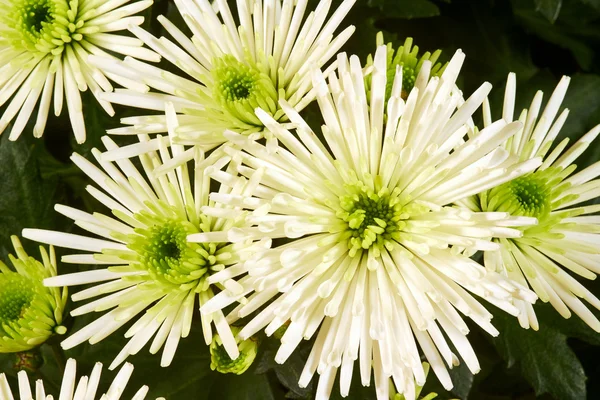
x: 29, y: 312
x: 151, y: 266
x: 566, y: 236
x: 369, y: 270
x: 234, y: 66
x: 220, y: 360
x: 405, y: 57
x: 44, y: 46
x: 86, y: 387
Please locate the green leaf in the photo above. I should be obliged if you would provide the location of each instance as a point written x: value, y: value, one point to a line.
x: 567, y: 36
x: 544, y: 358
x: 583, y: 101
x: 409, y: 9
x: 593, y: 3
x: 27, y: 198
x: 549, y: 8
x: 406, y: 9
x: 288, y: 373
x: 248, y: 386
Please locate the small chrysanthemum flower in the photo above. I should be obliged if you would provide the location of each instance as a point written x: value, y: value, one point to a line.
x: 44, y: 46
x: 71, y: 389
x: 221, y: 362
x: 407, y: 58
x: 151, y: 268
x: 234, y: 65
x: 29, y: 312
x: 566, y: 236
x: 370, y: 271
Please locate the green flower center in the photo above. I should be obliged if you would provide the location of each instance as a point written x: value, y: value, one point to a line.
x: 17, y: 293
x: 529, y: 195
x: 409, y: 76
x: 41, y: 26
x: 239, y: 89
x: 237, y: 84
x: 37, y: 14
x: 164, y: 252
x: 532, y: 194
x: 165, y: 246
x: 375, y: 219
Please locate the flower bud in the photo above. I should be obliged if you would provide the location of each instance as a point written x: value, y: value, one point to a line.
x: 220, y: 361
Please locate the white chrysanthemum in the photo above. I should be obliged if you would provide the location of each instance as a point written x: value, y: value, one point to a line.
x: 567, y: 235
x: 86, y: 387
x: 151, y: 267
x: 234, y: 65
x: 44, y: 46
x: 370, y: 270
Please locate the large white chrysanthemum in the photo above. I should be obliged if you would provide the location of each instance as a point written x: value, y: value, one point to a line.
x: 44, y: 46
x: 567, y: 235
x: 234, y: 65
x: 150, y: 265
x: 370, y: 270
x: 85, y: 390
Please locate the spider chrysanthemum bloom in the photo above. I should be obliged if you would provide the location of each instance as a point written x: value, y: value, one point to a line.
x: 234, y: 65
x: 71, y: 389
x: 565, y: 240
x: 150, y: 267
x: 44, y: 46
x: 405, y: 57
x: 369, y: 270
x: 29, y: 312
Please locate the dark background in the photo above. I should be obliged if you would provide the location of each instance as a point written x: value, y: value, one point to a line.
x: 539, y: 40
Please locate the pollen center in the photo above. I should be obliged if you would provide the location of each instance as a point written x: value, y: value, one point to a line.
x: 17, y: 294
x: 35, y: 15
x: 238, y: 90
x: 532, y: 194
x: 164, y: 252
x: 375, y: 219
x: 529, y: 195
x: 235, y: 81
x: 165, y: 246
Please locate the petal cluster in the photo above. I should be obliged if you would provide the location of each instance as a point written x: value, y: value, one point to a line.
x: 232, y: 65
x: 565, y: 239
x: 44, y: 49
x: 71, y: 389
x: 370, y: 270
x: 29, y: 312
x: 148, y: 267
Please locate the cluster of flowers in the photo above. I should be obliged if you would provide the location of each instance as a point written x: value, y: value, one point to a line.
x: 357, y: 235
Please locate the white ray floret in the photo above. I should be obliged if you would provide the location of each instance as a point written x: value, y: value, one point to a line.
x: 230, y: 66
x: 44, y: 49
x: 565, y: 241
x: 371, y: 271
x: 71, y: 389
x: 147, y: 263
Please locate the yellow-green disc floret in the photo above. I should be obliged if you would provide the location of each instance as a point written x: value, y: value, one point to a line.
x: 238, y: 89
x: 29, y: 312
x: 40, y: 26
